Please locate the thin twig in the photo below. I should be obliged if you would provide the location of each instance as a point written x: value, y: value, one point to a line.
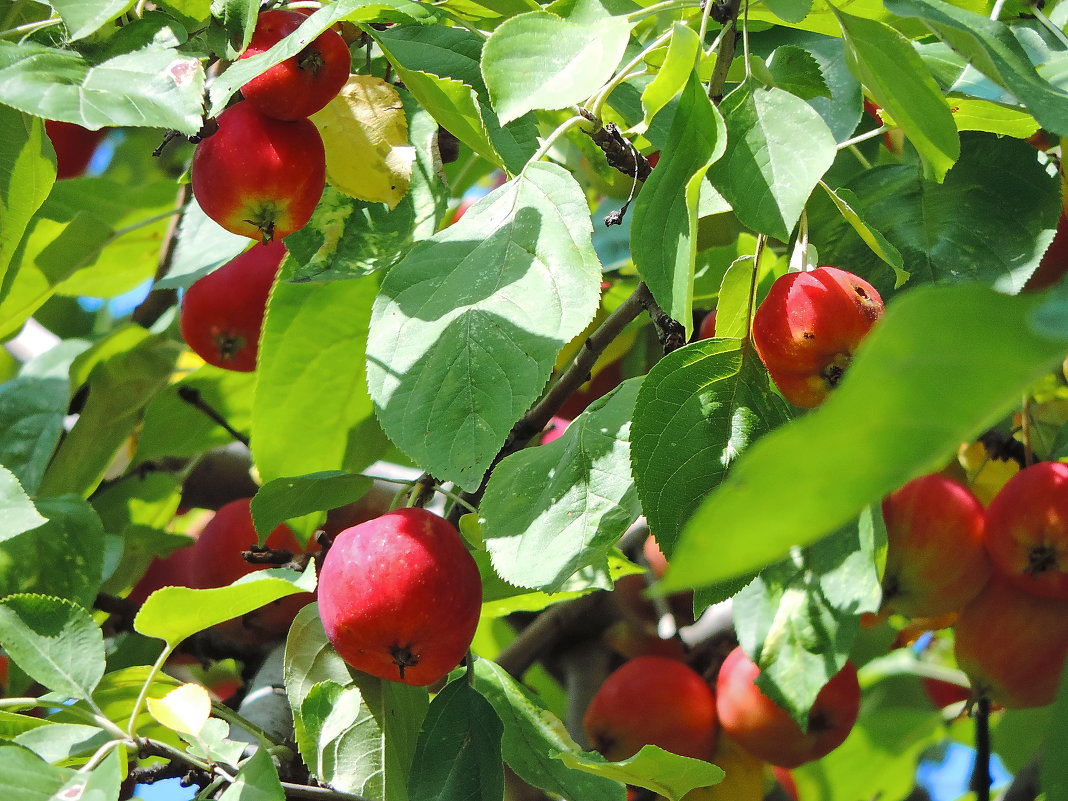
x: 192, y: 396
x: 159, y: 300
x: 981, y: 780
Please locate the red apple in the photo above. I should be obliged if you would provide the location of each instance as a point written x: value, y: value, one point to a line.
x: 808, y: 328
x: 302, y: 84
x: 1054, y: 262
x: 707, y: 330
x: 168, y: 571
x: 400, y: 596
x: 216, y: 561
x: 766, y: 730
x: 944, y: 693
x: 786, y: 781
x: 74, y: 146
x: 936, y: 559
x: 652, y: 700
x: 1012, y: 644
x: 222, y: 313
x: 257, y: 176
x: 1027, y: 530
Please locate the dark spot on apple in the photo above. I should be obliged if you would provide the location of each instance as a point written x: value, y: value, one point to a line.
x: 819, y: 722
x: 403, y: 657
x: 1041, y: 559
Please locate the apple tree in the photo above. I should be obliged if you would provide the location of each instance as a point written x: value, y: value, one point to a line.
x: 423, y: 305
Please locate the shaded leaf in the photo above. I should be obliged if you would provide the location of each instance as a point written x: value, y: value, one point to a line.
x: 16, y: 509
x: 551, y: 510
x: 256, y: 781
x: 279, y: 500
x: 652, y: 767
x: 27, y: 172
x: 456, y: 353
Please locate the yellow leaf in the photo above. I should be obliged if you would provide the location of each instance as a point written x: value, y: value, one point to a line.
x: 184, y: 709
x: 366, y: 137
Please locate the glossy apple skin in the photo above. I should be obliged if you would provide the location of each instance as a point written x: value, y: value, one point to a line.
x: 1027, y: 530
x: 652, y: 700
x: 808, y: 328
x: 936, y: 558
x: 257, y: 176
x: 302, y: 84
x: 74, y: 146
x: 216, y: 561
x: 1012, y: 644
x: 400, y: 596
x: 222, y: 313
x: 767, y: 731
x: 168, y: 571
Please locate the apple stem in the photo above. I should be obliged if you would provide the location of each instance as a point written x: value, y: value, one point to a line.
x: 981, y: 781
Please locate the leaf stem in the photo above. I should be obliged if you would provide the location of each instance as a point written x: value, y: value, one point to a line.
x: 460, y: 21
x: 656, y: 8
x: 550, y: 140
x: 235, y: 719
x: 1049, y: 26
x: 598, y: 100
x: 30, y: 27
x: 131, y: 727
x: 100, y: 753
x: 860, y: 157
x: 864, y: 137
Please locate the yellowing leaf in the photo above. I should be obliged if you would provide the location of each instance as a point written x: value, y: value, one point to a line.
x: 366, y: 136
x: 184, y: 709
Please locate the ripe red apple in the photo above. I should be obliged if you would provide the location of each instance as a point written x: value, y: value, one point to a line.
x: 1012, y: 644
x: 943, y: 693
x: 257, y: 176
x: 786, y: 781
x: 222, y: 313
x: 936, y: 559
x: 74, y: 146
x: 302, y: 84
x: 652, y: 700
x: 707, y: 330
x: 400, y: 596
x: 808, y: 328
x: 168, y: 571
x: 216, y: 561
x: 766, y: 730
x: 1027, y: 530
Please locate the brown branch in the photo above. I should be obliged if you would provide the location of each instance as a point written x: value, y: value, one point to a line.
x: 192, y: 396
x: 621, y: 154
x: 728, y: 15
x: 159, y: 300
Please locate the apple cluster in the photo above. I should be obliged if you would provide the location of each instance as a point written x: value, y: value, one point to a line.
x: 807, y: 330
x: 1001, y: 572
x: 260, y: 175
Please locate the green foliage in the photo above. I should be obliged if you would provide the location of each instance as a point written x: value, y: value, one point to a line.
x: 441, y: 343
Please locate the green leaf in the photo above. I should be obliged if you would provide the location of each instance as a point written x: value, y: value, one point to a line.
x: 174, y: 613
x: 843, y: 109
x: 279, y: 500
x: 698, y: 409
x: 309, y: 660
x: 54, y: 641
x: 31, y: 421
x: 64, y: 557
x: 456, y: 353
x: 551, y: 510
x: 738, y: 297
x: 1054, y: 773
x: 797, y: 71
x: 764, y: 175
x: 888, y: 66
x: 16, y: 509
x: 119, y: 388
x: 533, y: 736
x: 663, y: 233
x: 538, y: 60
x: 673, y: 75
x: 321, y: 402
x: 348, y: 740
x: 83, y: 19
x: 991, y: 48
x: 399, y: 710
x: 27, y: 777
x: 459, y: 749
x: 152, y: 87
x: 102, y: 783
x: 797, y: 620
x: 174, y: 427
x: 241, y: 72
x: 848, y: 203
x: 27, y: 172
x: 790, y: 10
x: 238, y: 18
x: 62, y: 743
x: 201, y: 247
x: 953, y: 231
x: 652, y: 767
x: 972, y: 114
x: 256, y: 781
x: 953, y: 358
